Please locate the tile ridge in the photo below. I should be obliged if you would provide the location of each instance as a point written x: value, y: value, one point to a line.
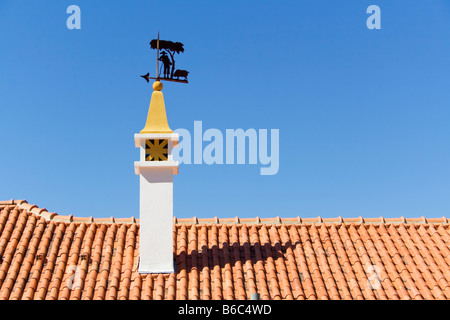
x: 9, y: 202
x: 12, y: 202
x: 53, y: 216
x: 310, y: 221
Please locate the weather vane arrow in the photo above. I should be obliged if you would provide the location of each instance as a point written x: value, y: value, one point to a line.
x: 147, y: 77
x: 169, y: 49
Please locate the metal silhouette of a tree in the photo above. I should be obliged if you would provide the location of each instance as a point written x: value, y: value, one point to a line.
x: 169, y: 72
x: 171, y: 47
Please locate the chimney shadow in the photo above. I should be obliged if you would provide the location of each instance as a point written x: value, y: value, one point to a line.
x: 231, y: 253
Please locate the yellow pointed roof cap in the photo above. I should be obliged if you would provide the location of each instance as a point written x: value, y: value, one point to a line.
x: 157, y: 118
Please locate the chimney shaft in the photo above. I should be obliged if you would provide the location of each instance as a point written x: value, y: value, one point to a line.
x: 156, y: 169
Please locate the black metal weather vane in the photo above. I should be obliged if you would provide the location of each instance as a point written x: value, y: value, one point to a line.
x: 167, y: 58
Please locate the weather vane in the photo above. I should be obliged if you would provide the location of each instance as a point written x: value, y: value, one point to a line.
x: 169, y: 73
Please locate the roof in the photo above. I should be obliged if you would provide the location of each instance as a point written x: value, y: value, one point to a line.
x: 48, y: 256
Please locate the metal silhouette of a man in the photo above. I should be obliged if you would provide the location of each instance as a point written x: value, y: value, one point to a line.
x: 166, y: 62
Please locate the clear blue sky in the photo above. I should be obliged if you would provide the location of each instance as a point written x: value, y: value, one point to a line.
x: 363, y: 114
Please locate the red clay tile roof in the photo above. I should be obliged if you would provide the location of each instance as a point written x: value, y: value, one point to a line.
x: 47, y: 256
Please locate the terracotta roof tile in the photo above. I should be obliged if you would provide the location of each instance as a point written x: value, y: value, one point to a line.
x: 47, y: 256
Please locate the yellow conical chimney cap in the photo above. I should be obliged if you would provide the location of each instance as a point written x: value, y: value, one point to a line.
x: 157, y: 118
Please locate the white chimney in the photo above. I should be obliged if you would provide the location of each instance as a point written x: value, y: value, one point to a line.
x: 156, y: 169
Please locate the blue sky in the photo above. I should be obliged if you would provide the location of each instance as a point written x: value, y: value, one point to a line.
x: 363, y: 114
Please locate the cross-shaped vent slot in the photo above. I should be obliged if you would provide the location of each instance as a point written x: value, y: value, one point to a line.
x: 156, y: 150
